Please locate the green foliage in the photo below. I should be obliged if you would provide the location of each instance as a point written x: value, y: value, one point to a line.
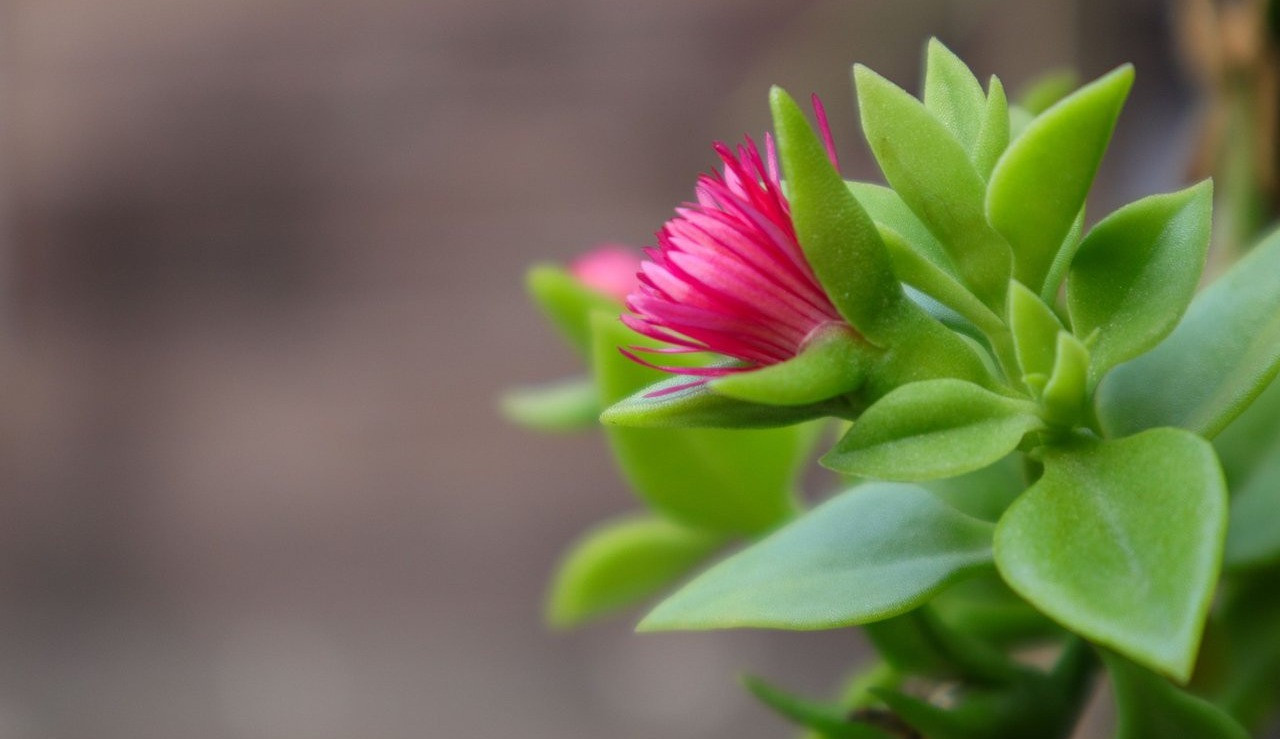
x: 1040, y: 183
x: 953, y: 95
x: 568, y: 303
x: 717, y: 479
x: 934, y: 429
x: 1064, y: 392
x: 1035, y: 331
x: 622, y: 562
x: 568, y: 405
x: 680, y: 402
x: 870, y: 553
x: 932, y: 173
x: 993, y: 137
x: 1136, y: 271
x: 830, y: 721
x: 1120, y: 542
x: 1149, y: 707
x: 1222, y: 355
x: 833, y: 364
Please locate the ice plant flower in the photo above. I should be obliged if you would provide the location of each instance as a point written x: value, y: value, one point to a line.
x: 728, y: 275
x: 608, y: 268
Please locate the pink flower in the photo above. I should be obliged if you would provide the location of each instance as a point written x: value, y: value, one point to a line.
x: 609, y: 268
x: 728, y: 275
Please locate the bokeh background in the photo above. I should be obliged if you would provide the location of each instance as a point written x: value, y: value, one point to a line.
x: 260, y: 286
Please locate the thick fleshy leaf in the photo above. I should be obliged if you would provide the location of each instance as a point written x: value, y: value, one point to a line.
x: 621, y: 563
x: 728, y: 480
x: 1064, y: 393
x: 1136, y: 271
x: 1148, y: 707
x: 568, y: 303
x: 952, y: 94
x: 984, y: 493
x: 1249, y: 648
x: 833, y: 363
x: 873, y: 552
x: 887, y: 210
x: 1222, y: 355
x: 1035, y: 330
x: 831, y: 721
x: 1250, y: 451
x: 920, y: 272
x: 687, y: 402
x: 568, y: 405
x: 932, y: 172
x: 930, y: 430
x: 839, y: 239
x: 993, y: 137
x: 1120, y: 541
x: 1040, y: 183
x: 1253, y: 537
x: 920, y: 643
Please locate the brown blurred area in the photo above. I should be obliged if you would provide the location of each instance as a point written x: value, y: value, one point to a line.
x: 260, y: 285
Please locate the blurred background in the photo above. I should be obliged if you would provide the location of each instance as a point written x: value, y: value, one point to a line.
x: 261, y: 283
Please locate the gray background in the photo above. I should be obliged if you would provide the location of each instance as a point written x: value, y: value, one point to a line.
x: 260, y: 285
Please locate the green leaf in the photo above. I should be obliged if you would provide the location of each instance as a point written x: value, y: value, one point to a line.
x: 1253, y: 537
x: 1040, y: 183
x: 1222, y: 355
x: 933, y: 429
x: 732, y: 481
x: 917, y: 270
x: 1035, y: 330
x: 873, y: 552
x: 568, y: 303
x: 685, y: 402
x: 568, y: 405
x: 1062, y: 262
x: 984, y: 493
x: 833, y: 363
x: 1250, y: 451
x: 1065, y: 391
x: 1148, y: 707
x: 952, y: 94
x: 993, y: 138
x: 1136, y: 272
x: 830, y: 720
x: 886, y: 209
x: 1048, y: 89
x: 932, y: 173
x: 621, y: 563
x: 920, y: 643
x: 1120, y: 541
x: 839, y: 240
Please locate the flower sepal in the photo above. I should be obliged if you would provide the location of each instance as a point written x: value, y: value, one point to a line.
x: 832, y: 363
x: 680, y: 403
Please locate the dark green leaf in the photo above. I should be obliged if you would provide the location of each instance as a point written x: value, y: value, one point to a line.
x: 1222, y: 355
x: 983, y: 493
x: 932, y: 173
x: 933, y: 429
x: 1040, y: 183
x: 830, y: 720
x: 1121, y: 541
x: 870, y: 553
x: 1148, y: 707
x: 621, y: 563
x: 567, y: 405
x: 1136, y: 271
